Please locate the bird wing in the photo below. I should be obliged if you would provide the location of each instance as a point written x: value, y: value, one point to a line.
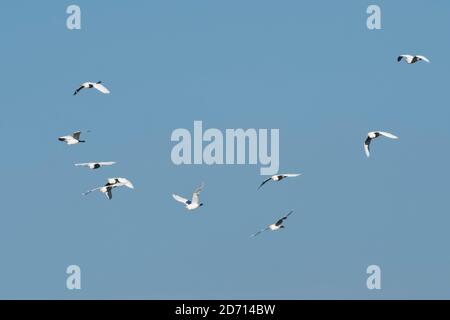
x: 116, y: 185
x: 367, y: 146
x: 78, y: 90
x: 200, y: 188
x: 82, y: 164
x: 121, y: 184
x: 291, y: 175
x: 280, y: 222
x: 288, y: 214
x: 110, y: 163
x: 196, y: 197
x: 180, y: 199
x: 259, y: 232
x: 76, y: 135
x: 109, y: 193
x: 124, y: 182
x: 90, y: 191
x: 264, y: 182
x: 406, y: 56
x: 423, y: 58
x: 387, y: 135
x: 65, y: 138
x: 101, y: 88
x: 196, y: 194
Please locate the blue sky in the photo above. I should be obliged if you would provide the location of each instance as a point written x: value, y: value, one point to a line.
x: 309, y: 68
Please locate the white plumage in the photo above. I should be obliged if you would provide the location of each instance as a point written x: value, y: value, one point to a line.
x: 373, y: 135
x: 195, y: 202
x: 111, y: 184
x: 94, y: 165
x: 72, y: 139
x: 279, y: 177
x: 89, y: 85
x: 275, y: 226
x: 412, y: 59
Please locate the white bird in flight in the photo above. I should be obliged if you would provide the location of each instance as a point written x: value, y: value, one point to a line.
x: 95, y: 165
x: 279, y: 177
x: 275, y: 226
x: 89, y: 85
x: 72, y: 139
x: 111, y: 184
x: 412, y: 59
x: 373, y: 135
x: 195, y: 202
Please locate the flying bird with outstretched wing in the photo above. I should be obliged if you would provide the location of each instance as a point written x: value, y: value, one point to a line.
x: 279, y: 177
x: 410, y: 59
x: 92, y: 85
x: 373, y: 135
x: 110, y: 185
x: 275, y: 226
x: 72, y: 139
x: 195, y: 202
x: 95, y: 165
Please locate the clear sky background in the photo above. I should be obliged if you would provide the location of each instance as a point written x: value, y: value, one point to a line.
x: 310, y: 68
